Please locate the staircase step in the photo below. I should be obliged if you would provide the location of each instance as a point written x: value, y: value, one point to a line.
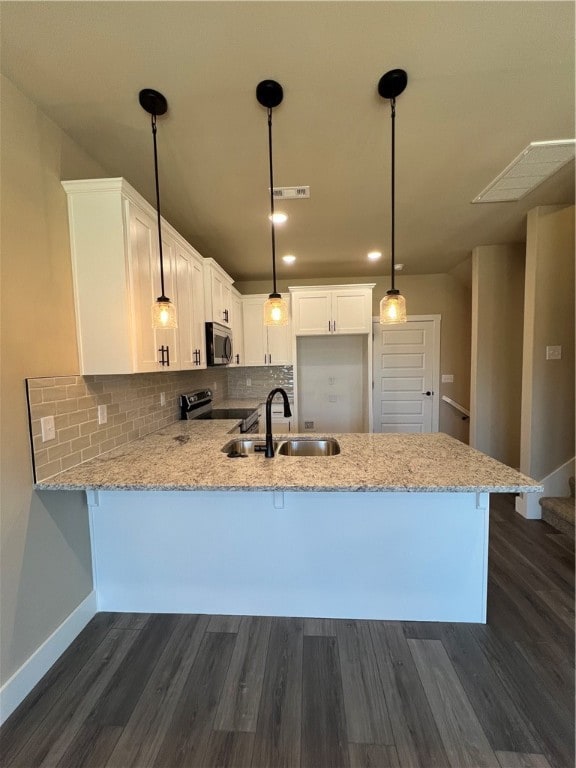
x: 559, y: 511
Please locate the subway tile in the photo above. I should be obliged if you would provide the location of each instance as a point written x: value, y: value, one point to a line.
x: 90, y: 453
x: 68, y: 434
x: 80, y: 417
x: 36, y: 427
x: 62, y: 449
x: 41, y: 383
x: 49, y: 394
x: 67, y: 406
x: 88, y: 427
x: 89, y: 401
x: 34, y: 396
x: 107, y: 445
x: 71, y: 461
x: 62, y: 421
x: 43, y: 409
x: 41, y: 457
x: 68, y: 380
x: 47, y: 470
x: 76, y: 390
x: 80, y: 443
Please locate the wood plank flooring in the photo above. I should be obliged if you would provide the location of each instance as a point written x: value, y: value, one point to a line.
x: 140, y: 691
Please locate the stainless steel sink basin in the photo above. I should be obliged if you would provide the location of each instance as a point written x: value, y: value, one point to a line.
x: 324, y: 446
x: 238, y: 448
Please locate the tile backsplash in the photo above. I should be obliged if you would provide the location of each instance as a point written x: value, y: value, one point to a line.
x: 133, y: 408
x: 262, y: 380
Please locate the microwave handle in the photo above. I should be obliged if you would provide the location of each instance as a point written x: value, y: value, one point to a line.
x: 227, y: 349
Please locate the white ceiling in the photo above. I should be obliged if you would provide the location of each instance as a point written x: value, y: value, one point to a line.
x: 485, y: 79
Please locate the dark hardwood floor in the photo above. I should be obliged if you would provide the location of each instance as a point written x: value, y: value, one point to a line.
x: 206, y: 691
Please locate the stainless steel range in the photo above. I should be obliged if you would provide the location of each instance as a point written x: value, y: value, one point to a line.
x: 198, y: 405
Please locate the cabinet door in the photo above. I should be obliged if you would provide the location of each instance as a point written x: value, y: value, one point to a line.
x: 312, y: 313
x: 144, y: 265
x: 237, y: 322
x: 279, y: 345
x: 352, y: 311
x: 190, y: 309
x: 255, y: 342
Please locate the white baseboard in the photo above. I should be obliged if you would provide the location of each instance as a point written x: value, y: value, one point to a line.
x: 555, y: 484
x: 15, y: 690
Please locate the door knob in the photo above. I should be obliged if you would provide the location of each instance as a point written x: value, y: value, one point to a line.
x: 428, y: 394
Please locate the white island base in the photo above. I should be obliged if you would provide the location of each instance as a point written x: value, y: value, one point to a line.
x: 357, y: 555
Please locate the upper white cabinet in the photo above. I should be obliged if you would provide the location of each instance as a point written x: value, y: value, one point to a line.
x: 217, y: 293
x: 264, y: 345
x: 237, y: 325
x: 341, y: 309
x: 116, y: 271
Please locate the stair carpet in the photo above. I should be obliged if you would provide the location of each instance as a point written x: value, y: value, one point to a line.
x: 558, y: 511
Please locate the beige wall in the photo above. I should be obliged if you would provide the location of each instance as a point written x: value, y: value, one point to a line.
x: 45, y: 550
x: 441, y: 294
x: 497, y: 327
x: 548, y: 385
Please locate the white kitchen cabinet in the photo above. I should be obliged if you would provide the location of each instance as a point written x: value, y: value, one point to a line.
x: 217, y: 293
x: 189, y: 298
x: 323, y: 310
x: 237, y: 325
x: 264, y: 345
x: 116, y: 272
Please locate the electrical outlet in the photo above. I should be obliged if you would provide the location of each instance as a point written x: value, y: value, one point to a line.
x: 331, y: 380
x: 308, y: 425
x: 102, y: 414
x: 554, y: 353
x: 48, y: 428
x: 162, y: 398
x: 248, y: 382
x: 215, y: 386
x: 447, y: 378
x: 332, y: 398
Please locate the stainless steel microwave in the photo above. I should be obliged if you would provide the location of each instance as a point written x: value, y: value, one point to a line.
x: 218, y: 344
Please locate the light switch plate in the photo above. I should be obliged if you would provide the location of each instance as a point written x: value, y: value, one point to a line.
x: 447, y: 378
x: 162, y: 398
x: 554, y: 353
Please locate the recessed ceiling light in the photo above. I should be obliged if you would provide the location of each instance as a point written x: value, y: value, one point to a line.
x: 374, y: 255
x: 398, y: 267
x: 289, y: 258
x: 278, y: 217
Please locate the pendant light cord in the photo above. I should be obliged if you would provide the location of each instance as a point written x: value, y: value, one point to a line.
x: 393, y: 174
x: 162, y: 297
x: 272, y: 198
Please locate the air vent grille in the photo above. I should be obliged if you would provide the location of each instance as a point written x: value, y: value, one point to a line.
x: 291, y: 193
x: 533, y: 165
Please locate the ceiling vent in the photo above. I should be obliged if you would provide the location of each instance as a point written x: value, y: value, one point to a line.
x: 533, y: 165
x: 291, y: 193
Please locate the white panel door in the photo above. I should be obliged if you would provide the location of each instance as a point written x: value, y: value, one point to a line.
x: 404, y: 377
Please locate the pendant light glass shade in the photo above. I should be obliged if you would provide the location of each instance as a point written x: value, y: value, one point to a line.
x: 393, y: 308
x: 276, y: 310
x: 393, y: 305
x: 163, y: 310
x: 164, y: 314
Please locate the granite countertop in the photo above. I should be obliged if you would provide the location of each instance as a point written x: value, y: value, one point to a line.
x: 187, y: 456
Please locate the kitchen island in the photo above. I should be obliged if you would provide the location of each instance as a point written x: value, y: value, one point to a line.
x: 394, y: 527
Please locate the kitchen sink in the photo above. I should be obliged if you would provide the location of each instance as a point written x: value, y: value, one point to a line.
x: 238, y: 448
x: 324, y: 446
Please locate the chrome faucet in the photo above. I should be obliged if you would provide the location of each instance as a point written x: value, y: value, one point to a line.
x: 269, y: 452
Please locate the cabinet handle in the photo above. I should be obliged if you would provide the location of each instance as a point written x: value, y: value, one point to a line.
x: 164, y: 355
x: 334, y: 326
x: 329, y: 326
x: 237, y: 359
x: 270, y: 359
x: 225, y: 315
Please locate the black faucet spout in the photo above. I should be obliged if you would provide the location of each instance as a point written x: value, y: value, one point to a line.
x: 269, y: 451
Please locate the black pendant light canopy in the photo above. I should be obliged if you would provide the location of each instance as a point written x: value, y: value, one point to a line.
x: 393, y: 305
x: 270, y: 94
x: 163, y: 310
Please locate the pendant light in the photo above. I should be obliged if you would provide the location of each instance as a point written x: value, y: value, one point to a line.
x: 393, y: 305
x: 270, y: 94
x: 163, y: 310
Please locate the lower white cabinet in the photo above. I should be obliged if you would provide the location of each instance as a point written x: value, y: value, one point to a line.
x: 264, y: 345
x: 116, y: 271
x: 325, y: 310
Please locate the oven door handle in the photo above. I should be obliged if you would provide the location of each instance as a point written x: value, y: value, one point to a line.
x: 227, y: 349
